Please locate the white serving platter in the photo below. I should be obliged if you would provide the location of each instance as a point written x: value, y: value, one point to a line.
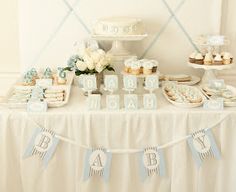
x: 66, y: 88
x: 226, y: 103
x: 184, y: 105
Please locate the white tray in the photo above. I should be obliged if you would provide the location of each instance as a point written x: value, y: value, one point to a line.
x: 226, y: 104
x: 66, y: 88
x: 184, y: 105
x: 194, y: 80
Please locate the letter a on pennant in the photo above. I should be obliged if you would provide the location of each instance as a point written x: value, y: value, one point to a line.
x: 97, y: 162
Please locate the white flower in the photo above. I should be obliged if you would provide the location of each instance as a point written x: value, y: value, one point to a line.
x: 99, y: 68
x: 95, y: 56
x: 101, y: 52
x: 90, y: 65
x: 81, y: 65
x: 103, y: 62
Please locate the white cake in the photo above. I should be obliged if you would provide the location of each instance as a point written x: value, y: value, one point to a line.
x: 119, y: 26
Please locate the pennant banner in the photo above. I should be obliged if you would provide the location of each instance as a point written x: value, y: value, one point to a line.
x: 152, y: 162
x: 43, y: 143
x: 202, y: 145
x: 97, y: 162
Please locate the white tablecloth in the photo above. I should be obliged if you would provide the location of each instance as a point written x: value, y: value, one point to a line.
x: 116, y: 130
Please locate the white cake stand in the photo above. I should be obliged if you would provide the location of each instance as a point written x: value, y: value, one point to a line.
x: 118, y: 49
x: 210, y: 70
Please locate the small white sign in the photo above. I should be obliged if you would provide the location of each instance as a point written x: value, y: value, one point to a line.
x: 89, y: 82
x: 37, y: 106
x: 111, y: 82
x: 113, y: 102
x: 152, y: 82
x: 216, y: 40
x: 149, y: 101
x: 44, y: 82
x: 94, y: 102
x: 217, y: 84
x: 214, y: 104
x: 131, y: 101
x: 130, y: 82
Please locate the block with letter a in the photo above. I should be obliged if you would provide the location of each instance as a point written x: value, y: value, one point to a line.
x: 131, y: 101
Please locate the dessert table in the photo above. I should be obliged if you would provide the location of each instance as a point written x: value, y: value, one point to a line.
x: 116, y: 130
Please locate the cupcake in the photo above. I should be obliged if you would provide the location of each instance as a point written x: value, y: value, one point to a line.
x: 128, y: 63
x: 147, y: 68
x: 142, y: 62
x: 28, y: 80
x: 208, y: 60
x: 192, y: 57
x: 135, y: 68
x: 199, y: 59
x: 218, y: 60
x: 222, y: 54
x: 226, y: 58
x: 61, y: 76
x: 34, y: 73
x: 47, y: 74
x: 231, y: 58
x: 155, y: 65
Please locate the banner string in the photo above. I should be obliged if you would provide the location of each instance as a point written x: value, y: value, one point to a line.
x: 118, y: 151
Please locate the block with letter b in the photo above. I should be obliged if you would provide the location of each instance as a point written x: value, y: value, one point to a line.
x: 130, y: 82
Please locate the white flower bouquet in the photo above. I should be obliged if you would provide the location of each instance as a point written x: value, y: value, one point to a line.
x: 90, y: 61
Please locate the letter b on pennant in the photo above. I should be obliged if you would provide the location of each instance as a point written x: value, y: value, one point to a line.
x: 43, y: 141
x: 151, y: 159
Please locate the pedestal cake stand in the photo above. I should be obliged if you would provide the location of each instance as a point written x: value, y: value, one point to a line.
x: 118, y: 50
x: 210, y: 70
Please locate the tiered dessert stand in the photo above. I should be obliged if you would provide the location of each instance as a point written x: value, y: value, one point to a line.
x: 210, y: 70
x: 118, y: 50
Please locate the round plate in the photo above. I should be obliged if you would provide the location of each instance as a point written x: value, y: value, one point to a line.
x: 119, y: 37
x: 210, y: 67
x: 194, y: 81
